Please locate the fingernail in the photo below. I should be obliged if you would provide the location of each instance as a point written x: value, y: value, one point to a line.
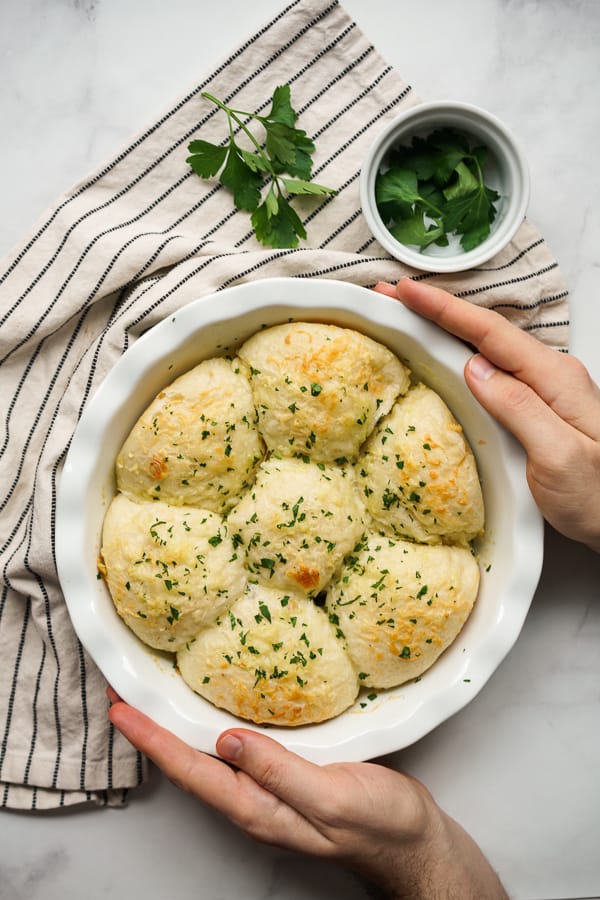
x: 481, y: 368
x: 384, y: 287
x: 112, y: 694
x: 229, y: 747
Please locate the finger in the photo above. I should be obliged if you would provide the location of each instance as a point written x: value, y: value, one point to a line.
x: 518, y: 407
x: 112, y: 694
x: 485, y: 329
x: 200, y: 774
x: 236, y: 795
x: 560, y: 380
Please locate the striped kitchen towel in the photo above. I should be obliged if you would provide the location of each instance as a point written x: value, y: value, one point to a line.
x: 126, y: 247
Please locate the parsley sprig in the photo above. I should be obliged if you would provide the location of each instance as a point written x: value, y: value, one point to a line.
x: 263, y: 177
x: 434, y: 188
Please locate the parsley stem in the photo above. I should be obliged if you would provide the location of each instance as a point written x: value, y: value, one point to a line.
x: 254, y: 170
x: 232, y: 114
x: 425, y: 202
x: 479, y: 172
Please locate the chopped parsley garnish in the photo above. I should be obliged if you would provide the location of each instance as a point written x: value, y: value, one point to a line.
x: 265, y: 611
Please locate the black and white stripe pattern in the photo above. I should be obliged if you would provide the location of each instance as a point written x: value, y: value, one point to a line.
x: 125, y: 248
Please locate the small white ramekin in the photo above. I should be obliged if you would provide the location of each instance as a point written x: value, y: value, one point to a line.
x: 506, y: 171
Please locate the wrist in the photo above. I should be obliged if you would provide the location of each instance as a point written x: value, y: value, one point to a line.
x: 442, y: 863
x: 462, y: 869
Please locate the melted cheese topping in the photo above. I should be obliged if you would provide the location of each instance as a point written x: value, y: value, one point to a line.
x: 197, y: 443
x: 297, y: 523
x: 320, y: 389
x: 400, y: 604
x: 418, y: 473
x: 170, y: 570
x: 275, y: 658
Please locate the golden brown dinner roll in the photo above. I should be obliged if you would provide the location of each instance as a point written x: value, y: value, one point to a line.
x: 320, y: 389
x: 170, y: 570
x: 196, y: 443
x: 274, y: 657
x: 418, y: 475
x: 297, y: 523
x: 400, y: 604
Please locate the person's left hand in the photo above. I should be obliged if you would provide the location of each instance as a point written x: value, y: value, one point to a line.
x: 374, y: 820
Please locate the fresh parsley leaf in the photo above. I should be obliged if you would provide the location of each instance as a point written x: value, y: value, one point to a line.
x: 281, y: 107
x: 471, y: 215
x: 465, y: 183
x: 253, y: 161
x: 299, y: 186
x: 398, y: 191
x: 419, y: 157
x: 281, y: 229
x: 413, y: 230
x: 281, y: 145
x: 256, y: 176
x: 271, y: 203
x: 451, y: 147
x: 397, y: 186
x: 242, y: 180
x: 291, y: 150
x: 206, y: 159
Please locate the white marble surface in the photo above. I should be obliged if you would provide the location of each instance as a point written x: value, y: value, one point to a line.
x: 520, y: 766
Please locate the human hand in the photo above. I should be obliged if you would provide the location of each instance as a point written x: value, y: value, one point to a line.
x: 545, y: 398
x: 370, y: 819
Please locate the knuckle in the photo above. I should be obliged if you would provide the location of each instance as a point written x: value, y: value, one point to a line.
x: 247, y: 820
x: 576, y: 369
x: 183, y: 778
x: 486, y: 328
x: 334, y: 819
x: 563, y: 461
x: 259, y: 822
x: 569, y: 452
x: 517, y: 397
x: 272, y: 775
x: 340, y: 809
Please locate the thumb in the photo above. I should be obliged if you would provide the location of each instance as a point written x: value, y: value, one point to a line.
x: 294, y: 780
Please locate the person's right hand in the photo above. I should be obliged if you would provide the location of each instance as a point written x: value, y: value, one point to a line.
x: 545, y: 398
